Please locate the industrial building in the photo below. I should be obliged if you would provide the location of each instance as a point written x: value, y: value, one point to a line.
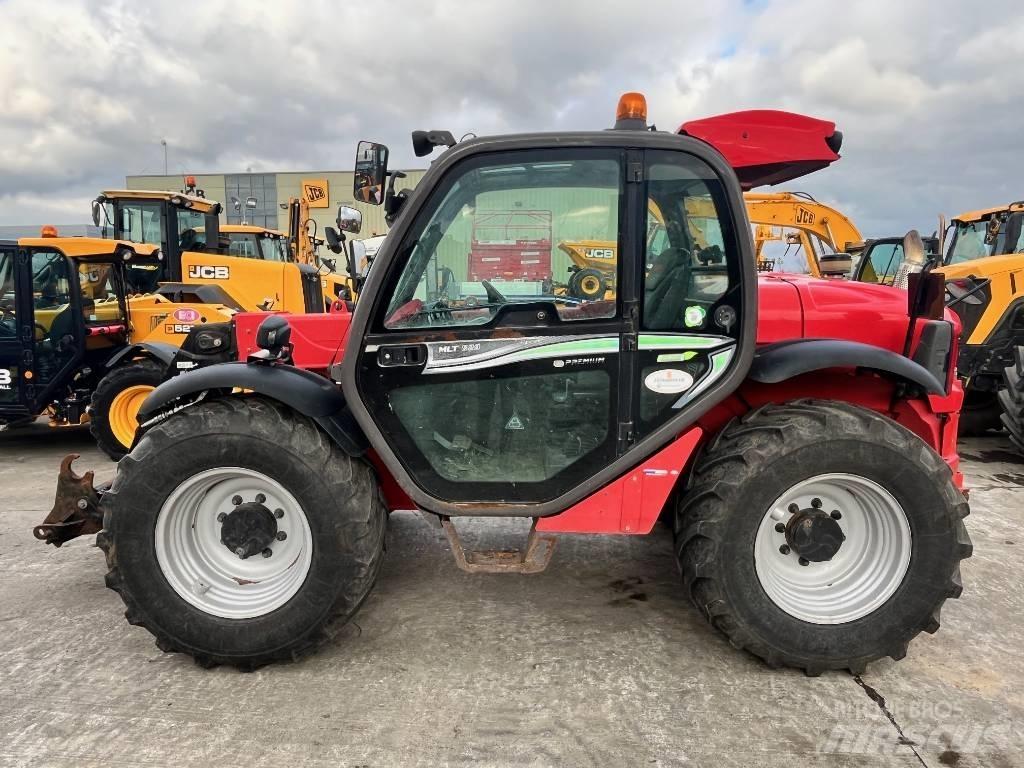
x: 325, y: 190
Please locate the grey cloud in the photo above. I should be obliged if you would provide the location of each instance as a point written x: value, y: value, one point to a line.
x: 922, y: 91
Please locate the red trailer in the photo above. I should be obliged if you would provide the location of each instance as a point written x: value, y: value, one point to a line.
x: 510, y: 245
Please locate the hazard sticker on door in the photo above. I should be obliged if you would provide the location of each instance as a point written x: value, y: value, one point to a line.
x: 515, y: 423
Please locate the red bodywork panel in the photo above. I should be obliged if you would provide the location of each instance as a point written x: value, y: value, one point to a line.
x: 632, y: 503
x: 317, y: 339
x: 768, y: 146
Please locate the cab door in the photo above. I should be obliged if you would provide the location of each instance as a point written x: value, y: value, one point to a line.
x: 503, y: 388
x: 511, y: 395
x: 53, y: 334
x: 15, y: 329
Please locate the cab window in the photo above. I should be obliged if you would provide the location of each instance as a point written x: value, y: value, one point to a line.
x: 515, y: 228
x: 51, y: 286
x: 191, y: 230
x: 142, y: 222
x: 8, y: 301
x: 691, y: 261
x: 242, y: 244
x: 273, y: 248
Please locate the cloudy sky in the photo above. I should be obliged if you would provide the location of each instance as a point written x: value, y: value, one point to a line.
x: 926, y: 92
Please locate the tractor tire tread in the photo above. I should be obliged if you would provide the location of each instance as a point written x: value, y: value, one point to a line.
x: 734, y: 457
x: 348, y: 476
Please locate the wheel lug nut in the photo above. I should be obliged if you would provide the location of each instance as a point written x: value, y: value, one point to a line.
x: 816, y: 503
x: 780, y: 527
x: 804, y: 561
x: 260, y: 498
x: 794, y: 508
x: 281, y: 535
x: 836, y: 514
x: 784, y: 549
x: 240, y: 552
x: 221, y: 517
x: 278, y: 513
x: 268, y: 552
x: 236, y: 500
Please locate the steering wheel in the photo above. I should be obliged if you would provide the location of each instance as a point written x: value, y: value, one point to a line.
x: 493, y: 294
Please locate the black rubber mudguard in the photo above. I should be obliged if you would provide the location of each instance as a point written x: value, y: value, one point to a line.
x: 158, y: 350
x: 774, y: 363
x: 301, y: 390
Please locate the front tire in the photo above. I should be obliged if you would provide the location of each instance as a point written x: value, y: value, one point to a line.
x: 193, y: 530
x: 114, y: 408
x: 886, y: 555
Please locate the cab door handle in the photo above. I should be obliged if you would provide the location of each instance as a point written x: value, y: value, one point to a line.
x: 401, y: 354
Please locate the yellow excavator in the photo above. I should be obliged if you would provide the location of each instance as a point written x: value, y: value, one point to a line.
x: 829, y: 240
x: 981, y: 256
x: 305, y: 248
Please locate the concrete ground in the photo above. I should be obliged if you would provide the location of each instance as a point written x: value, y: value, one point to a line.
x: 598, y: 661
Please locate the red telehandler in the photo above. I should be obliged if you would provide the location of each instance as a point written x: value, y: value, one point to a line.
x: 800, y: 434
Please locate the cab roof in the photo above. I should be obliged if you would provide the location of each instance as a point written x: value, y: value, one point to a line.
x: 201, y: 204
x: 984, y: 213
x: 86, y: 248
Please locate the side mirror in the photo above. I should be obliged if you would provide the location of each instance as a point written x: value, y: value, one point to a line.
x: 96, y: 213
x: 236, y: 204
x: 371, y: 170
x: 250, y: 202
x: 349, y: 219
x: 334, y: 241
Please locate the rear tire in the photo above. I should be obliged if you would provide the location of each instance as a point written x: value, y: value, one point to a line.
x: 179, y: 578
x: 115, y: 403
x: 1011, y: 399
x: 899, y: 561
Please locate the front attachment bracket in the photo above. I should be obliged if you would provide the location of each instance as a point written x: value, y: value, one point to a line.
x: 533, y: 559
x: 76, y: 507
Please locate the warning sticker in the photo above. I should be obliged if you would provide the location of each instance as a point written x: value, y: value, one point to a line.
x: 515, y: 423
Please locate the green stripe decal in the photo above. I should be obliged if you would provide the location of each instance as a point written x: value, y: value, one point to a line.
x: 651, y: 341
x: 676, y: 357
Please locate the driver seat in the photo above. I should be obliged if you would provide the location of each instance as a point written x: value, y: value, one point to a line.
x: 665, y: 289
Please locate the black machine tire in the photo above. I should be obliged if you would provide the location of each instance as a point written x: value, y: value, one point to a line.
x: 339, y: 497
x: 746, y: 468
x: 980, y: 413
x: 1011, y: 399
x: 581, y: 281
x: 144, y: 372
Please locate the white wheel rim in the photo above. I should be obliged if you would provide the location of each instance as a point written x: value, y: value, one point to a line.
x: 204, y: 572
x: 868, y: 568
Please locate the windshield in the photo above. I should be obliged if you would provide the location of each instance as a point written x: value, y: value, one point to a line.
x: 250, y: 245
x: 141, y: 222
x: 968, y: 242
x: 274, y: 248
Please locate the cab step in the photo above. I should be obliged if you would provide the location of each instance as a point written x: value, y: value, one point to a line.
x: 533, y: 559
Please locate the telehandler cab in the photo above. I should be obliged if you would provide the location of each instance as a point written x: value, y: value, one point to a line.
x: 800, y: 433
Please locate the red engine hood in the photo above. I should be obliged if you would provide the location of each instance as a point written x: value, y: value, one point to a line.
x: 799, y: 306
x: 318, y: 339
x: 768, y: 146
